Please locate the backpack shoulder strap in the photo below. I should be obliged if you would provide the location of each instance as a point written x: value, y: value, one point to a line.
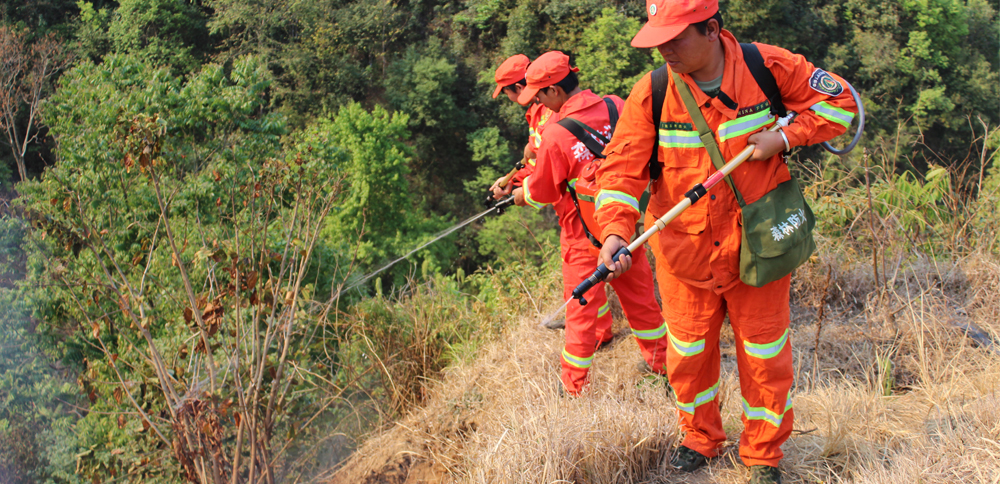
x: 764, y: 77
x: 580, y: 130
x: 583, y: 133
x: 612, y: 116
x: 658, y: 80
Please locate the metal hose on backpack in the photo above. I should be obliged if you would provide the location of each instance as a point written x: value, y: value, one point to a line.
x: 861, y: 126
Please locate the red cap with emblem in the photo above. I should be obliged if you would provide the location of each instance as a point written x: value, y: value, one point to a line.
x: 667, y: 18
x: 548, y: 69
x: 511, y: 71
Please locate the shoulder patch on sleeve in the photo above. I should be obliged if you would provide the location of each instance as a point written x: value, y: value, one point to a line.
x: 824, y: 83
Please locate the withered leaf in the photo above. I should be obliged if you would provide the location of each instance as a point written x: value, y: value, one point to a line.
x: 118, y: 395
x: 92, y: 395
x: 251, y: 281
x: 188, y: 315
x: 121, y: 421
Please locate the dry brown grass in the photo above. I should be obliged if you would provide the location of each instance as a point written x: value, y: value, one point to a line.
x: 897, y: 394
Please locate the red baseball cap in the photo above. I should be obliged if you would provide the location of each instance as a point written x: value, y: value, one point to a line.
x: 548, y: 69
x: 511, y: 71
x: 667, y: 18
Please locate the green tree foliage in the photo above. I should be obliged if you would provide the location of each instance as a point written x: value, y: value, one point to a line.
x: 163, y: 32
x: 378, y: 210
x: 151, y: 235
x: 608, y: 64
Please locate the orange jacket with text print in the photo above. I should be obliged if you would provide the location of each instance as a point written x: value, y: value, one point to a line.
x: 702, y: 245
x: 561, y: 158
x: 538, y: 117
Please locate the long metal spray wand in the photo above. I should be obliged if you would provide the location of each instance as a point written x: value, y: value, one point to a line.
x: 690, y: 198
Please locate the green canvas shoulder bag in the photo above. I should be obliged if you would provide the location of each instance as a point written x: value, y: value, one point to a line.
x: 777, y: 229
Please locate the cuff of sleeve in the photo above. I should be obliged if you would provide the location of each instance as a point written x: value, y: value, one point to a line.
x: 622, y: 230
x: 795, y: 135
x: 527, y: 195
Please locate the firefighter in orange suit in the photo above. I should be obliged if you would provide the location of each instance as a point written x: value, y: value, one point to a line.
x: 561, y: 159
x: 510, y: 81
x: 697, y: 254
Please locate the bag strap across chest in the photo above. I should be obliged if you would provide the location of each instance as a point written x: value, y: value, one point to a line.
x: 660, y: 79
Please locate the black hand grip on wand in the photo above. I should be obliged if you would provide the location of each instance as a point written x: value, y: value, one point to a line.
x: 599, y: 275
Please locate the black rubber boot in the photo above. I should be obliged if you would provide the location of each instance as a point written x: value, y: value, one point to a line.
x: 687, y: 460
x: 765, y: 475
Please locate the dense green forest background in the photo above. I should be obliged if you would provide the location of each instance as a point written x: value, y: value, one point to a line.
x: 190, y: 188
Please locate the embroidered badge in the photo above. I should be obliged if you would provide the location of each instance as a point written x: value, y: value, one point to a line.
x: 824, y: 83
x: 652, y: 9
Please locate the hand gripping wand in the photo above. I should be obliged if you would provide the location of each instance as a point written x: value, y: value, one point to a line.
x: 504, y: 203
x: 690, y: 198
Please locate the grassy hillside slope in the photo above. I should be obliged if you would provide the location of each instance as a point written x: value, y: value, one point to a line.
x: 892, y: 389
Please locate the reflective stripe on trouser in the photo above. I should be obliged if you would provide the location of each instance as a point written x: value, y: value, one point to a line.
x: 585, y: 329
x: 759, y: 317
x: 637, y: 294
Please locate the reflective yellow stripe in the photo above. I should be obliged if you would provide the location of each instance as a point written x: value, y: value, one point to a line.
x: 744, y: 124
x: 762, y: 413
x: 699, y: 399
x: 527, y: 195
x: 604, y: 309
x: 766, y: 350
x: 577, y: 361
x: 687, y: 349
x: 648, y: 334
x: 842, y: 117
x: 608, y: 197
x: 670, y: 138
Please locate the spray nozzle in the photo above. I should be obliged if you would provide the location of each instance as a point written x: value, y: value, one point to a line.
x: 599, y: 275
x: 503, y: 204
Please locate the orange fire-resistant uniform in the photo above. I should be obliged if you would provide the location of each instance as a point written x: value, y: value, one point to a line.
x: 561, y: 159
x: 538, y: 117
x: 697, y: 254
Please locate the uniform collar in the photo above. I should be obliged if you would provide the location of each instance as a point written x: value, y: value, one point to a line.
x: 732, y: 77
x: 578, y: 102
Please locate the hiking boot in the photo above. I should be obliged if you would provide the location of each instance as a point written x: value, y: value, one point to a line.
x: 556, y: 323
x: 687, y: 460
x: 645, y: 369
x: 652, y: 378
x: 765, y: 475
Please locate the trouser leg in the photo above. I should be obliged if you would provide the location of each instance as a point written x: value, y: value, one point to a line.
x: 760, y: 319
x: 635, y: 291
x: 694, y: 318
x: 584, y: 329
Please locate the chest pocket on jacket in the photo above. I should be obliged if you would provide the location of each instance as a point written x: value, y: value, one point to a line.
x: 679, y: 144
